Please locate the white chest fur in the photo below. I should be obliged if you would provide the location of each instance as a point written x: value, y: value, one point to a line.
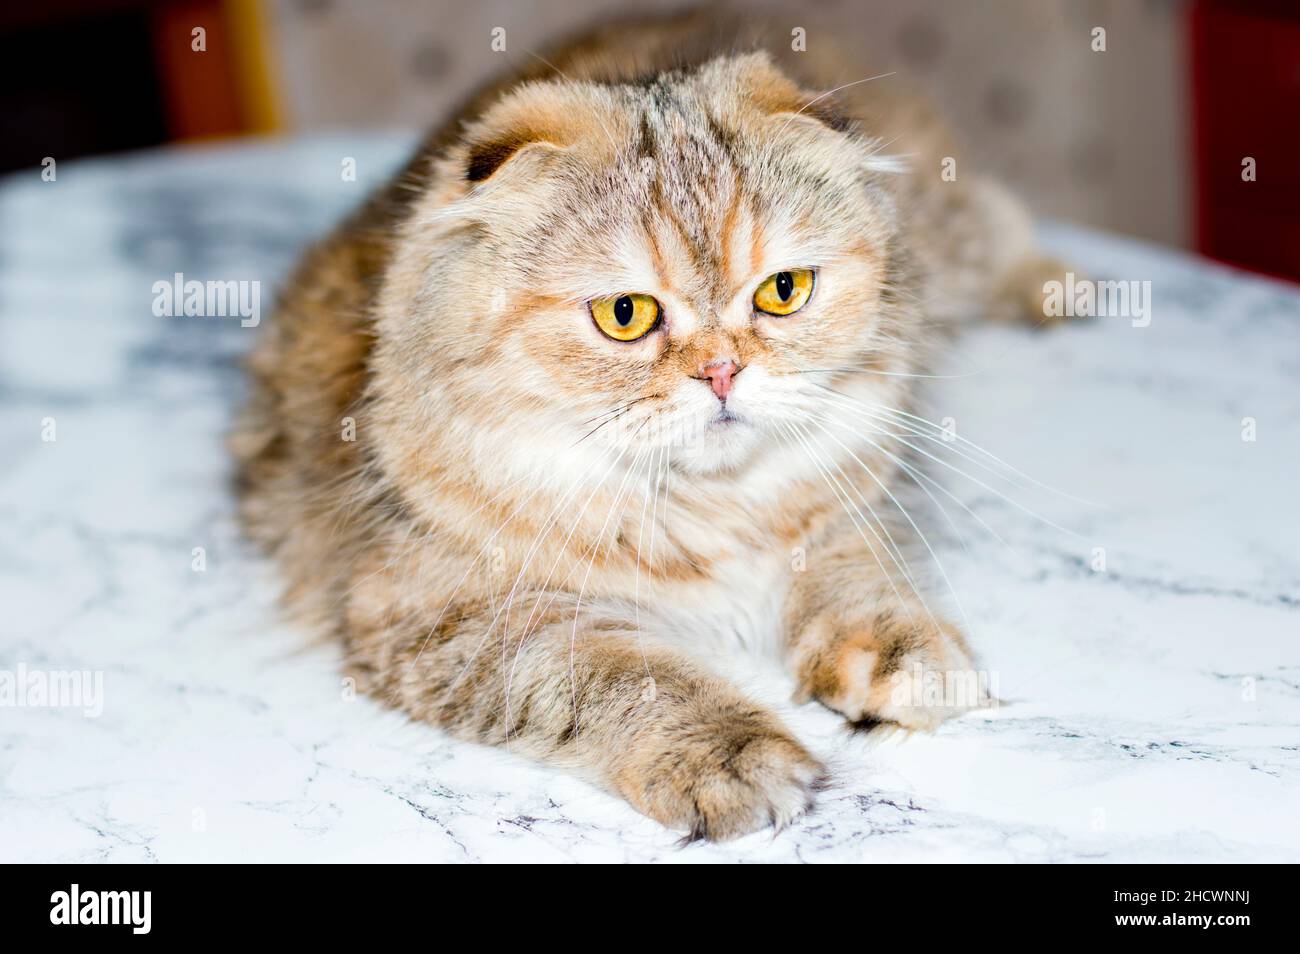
x: 738, y: 610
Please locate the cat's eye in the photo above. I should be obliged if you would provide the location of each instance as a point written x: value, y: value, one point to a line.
x: 785, y: 292
x: 625, y: 317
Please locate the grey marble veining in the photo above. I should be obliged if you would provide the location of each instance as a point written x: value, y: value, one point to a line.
x: 1152, y: 710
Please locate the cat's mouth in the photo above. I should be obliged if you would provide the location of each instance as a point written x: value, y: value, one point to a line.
x: 725, y: 418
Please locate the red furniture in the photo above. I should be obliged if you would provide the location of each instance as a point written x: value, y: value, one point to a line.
x: 1245, y: 59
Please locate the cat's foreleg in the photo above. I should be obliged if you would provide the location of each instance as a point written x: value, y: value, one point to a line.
x: 684, y: 747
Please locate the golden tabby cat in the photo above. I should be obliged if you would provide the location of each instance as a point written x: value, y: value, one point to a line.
x: 553, y: 410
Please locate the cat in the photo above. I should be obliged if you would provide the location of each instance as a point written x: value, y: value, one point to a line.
x: 552, y: 411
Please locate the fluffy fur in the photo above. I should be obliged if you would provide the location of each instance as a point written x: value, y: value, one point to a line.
x: 535, y: 525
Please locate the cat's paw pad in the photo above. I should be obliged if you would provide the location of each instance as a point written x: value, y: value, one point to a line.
x: 912, y: 671
x: 724, y: 779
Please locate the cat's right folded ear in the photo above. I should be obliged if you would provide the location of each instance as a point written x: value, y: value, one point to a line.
x: 488, y: 155
x: 536, y: 119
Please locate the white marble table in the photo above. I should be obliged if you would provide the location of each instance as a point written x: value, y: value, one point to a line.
x: 1154, y: 708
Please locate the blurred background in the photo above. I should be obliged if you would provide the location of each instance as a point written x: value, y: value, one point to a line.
x: 1148, y: 137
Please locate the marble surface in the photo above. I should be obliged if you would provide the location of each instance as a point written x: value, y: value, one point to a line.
x: 1153, y: 709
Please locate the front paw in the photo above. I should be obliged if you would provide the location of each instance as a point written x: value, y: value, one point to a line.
x: 900, y: 667
x: 720, y: 775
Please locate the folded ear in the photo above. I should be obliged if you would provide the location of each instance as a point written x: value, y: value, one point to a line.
x: 543, y: 114
x: 487, y: 157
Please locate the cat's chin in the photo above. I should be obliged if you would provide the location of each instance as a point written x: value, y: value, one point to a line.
x: 725, y: 444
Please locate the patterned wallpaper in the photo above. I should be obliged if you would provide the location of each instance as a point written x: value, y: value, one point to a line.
x: 1084, y: 135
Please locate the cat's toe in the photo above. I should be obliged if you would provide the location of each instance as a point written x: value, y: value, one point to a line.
x: 909, y: 671
x: 724, y: 781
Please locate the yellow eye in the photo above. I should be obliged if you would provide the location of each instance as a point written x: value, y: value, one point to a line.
x: 785, y: 292
x: 625, y: 317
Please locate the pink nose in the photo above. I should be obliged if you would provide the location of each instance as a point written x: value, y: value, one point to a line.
x: 720, y: 375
